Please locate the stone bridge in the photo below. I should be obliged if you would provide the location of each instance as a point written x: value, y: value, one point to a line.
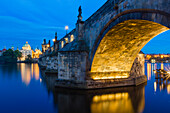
x: 106, y: 45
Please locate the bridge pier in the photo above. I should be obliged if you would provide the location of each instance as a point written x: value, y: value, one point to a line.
x: 73, y: 73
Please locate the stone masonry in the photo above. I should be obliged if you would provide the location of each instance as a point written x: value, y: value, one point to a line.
x: 110, y: 39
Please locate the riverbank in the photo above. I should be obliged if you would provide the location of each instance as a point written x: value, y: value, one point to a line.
x: 7, y: 59
x: 27, y: 61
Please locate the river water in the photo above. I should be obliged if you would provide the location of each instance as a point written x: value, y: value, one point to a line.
x: 25, y: 89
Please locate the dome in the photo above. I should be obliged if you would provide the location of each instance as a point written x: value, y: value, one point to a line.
x: 26, y: 46
x: 4, y: 50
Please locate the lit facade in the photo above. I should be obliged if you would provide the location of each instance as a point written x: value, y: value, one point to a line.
x: 45, y: 46
x: 153, y: 58
x: 26, y: 50
x: 37, y: 53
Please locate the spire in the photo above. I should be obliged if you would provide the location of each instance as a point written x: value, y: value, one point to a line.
x: 80, y: 14
x: 55, y: 36
x: 12, y: 47
x: 49, y: 43
x: 44, y: 42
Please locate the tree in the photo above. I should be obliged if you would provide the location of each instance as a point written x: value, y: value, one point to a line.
x: 29, y: 58
x: 18, y: 54
x: 9, y: 53
x: 9, y: 56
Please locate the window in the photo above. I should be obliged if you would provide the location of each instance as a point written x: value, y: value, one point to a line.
x: 71, y: 38
x: 66, y: 40
x: 62, y: 44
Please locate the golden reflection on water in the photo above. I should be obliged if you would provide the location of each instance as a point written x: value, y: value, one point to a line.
x: 118, y: 103
x: 112, y: 103
x: 159, y: 84
x: 162, y: 66
x: 168, y: 88
x: 155, y: 86
x: 149, y: 71
x: 29, y: 72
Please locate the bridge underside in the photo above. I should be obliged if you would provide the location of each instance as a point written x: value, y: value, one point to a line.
x: 120, y: 46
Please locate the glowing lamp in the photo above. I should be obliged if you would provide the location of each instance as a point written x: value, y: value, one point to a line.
x: 53, y: 40
x: 168, y: 72
x: 66, y: 27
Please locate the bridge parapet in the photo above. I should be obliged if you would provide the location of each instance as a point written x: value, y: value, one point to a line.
x: 67, y: 39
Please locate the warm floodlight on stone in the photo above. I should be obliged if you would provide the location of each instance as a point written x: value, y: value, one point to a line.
x: 118, y: 49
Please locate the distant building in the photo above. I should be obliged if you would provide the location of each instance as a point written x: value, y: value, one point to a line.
x: 153, y: 58
x: 12, y: 48
x: 26, y: 50
x: 56, y: 43
x: 45, y: 46
x: 2, y: 51
x: 37, y: 53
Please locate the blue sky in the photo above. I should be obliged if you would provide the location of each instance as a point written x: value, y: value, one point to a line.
x: 34, y: 20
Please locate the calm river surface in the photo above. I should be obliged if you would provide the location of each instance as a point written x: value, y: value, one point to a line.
x: 23, y: 89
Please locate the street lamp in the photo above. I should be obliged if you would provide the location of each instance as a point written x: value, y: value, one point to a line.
x: 66, y: 28
x: 53, y: 40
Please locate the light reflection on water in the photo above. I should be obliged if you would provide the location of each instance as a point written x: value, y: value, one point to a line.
x: 29, y: 72
x: 39, y: 91
x: 113, y: 100
x: 159, y: 85
x: 112, y: 103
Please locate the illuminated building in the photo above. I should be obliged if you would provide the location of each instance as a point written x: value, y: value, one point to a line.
x: 45, y: 46
x: 26, y: 50
x: 153, y: 58
x: 56, y: 43
x: 153, y: 61
x: 37, y: 53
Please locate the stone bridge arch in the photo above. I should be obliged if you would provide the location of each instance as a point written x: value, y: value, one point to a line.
x: 122, y: 38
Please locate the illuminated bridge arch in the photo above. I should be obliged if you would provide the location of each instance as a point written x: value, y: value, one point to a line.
x: 122, y: 38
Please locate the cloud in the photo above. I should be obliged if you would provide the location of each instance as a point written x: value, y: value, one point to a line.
x: 33, y: 20
x: 16, y: 26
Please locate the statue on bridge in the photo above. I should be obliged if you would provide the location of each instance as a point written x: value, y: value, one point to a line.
x: 80, y: 14
x: 80, y: 11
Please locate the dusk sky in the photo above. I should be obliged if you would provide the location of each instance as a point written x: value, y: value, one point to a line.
x: 34, y: 20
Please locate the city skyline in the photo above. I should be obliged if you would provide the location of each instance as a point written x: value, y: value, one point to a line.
x: 33, y: 21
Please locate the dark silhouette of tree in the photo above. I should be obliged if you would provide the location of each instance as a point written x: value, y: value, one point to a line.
x: 18, y: 54
x: 29, y: 59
